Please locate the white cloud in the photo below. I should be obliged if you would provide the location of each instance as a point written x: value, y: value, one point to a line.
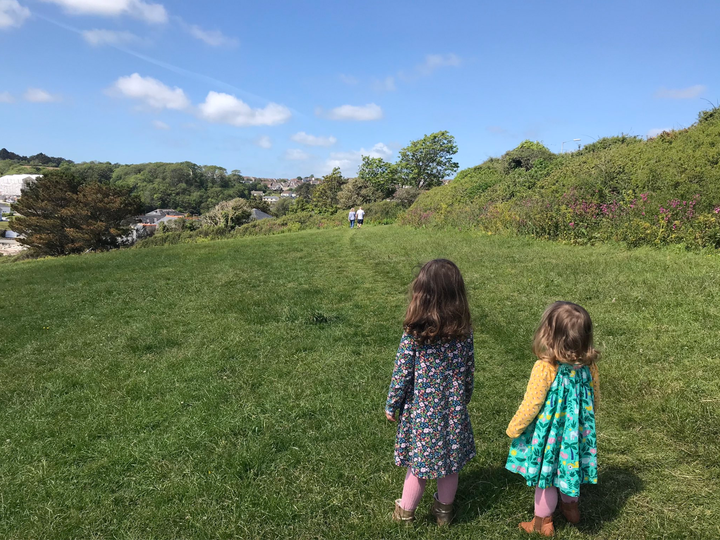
x: 353, y: 112
x: 214, y: 38
x: 296, y: 154
x: 6, y: 97
x: 435, y: 61
x: 12, y: 14
x: 350, y: 161
x: 312, y: 140
x: 264, y: 142
x: 151, y: 92
x: 159, y: 124
x: 656, y: 131
x: 37, y: 95
x: 226, y: 109
x: 385, y: 85
x: 348, y: 79
x: 109, y: 37
x: 152, y: 13
x: 690, y: 92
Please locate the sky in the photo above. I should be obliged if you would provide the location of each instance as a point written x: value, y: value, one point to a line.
x: 291, y: 88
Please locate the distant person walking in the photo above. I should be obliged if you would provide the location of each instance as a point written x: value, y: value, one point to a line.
x: 430, y: 390
x: 360, y: 216
x: 351, y: 218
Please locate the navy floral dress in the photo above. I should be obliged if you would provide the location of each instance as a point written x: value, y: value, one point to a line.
x: 431, y: 386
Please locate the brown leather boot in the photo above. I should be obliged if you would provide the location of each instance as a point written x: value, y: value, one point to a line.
x: 571, y: 511
x: 544, y: 526
x: 401, y: 515
x: 442, y: 512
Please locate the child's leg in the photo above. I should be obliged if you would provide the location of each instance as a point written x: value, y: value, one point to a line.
x: 413, y: 490
x: 545, y: 501
x: 568, y: 499
x: 447, y: 486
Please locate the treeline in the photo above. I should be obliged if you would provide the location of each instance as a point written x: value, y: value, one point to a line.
x: 664, y: 190
x: 186, y: 187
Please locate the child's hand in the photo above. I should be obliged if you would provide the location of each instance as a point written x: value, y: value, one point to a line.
x: 389, y: 416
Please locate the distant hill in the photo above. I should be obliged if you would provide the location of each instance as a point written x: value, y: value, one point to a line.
x: 38, y: 159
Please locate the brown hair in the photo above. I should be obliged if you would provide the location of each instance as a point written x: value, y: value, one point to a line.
x: 565, y: 335
x: 438, y: 306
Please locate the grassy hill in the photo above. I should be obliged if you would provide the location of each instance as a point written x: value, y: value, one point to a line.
x: 664, y: 190
x: 234, y: 389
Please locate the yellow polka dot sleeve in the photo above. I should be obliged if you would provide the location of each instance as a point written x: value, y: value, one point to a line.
x: 595, y: 384
x: 542, y: 376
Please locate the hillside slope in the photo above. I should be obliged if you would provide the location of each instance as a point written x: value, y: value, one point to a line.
x: 234, y: 389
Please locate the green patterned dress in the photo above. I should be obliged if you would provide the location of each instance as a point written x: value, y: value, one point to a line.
x: 559, y: 448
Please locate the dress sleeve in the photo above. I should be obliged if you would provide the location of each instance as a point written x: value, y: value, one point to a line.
x: 470, y: 371
x: 595, y: 384
x: 403, y: 374
x: 541, y: 378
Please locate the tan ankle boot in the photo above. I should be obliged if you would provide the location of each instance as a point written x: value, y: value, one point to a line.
x: 571, y: 511
x: 401, y: 515
x: 544, y: 526
x: 442, y: 512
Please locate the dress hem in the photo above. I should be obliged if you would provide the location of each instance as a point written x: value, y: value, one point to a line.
x: 425, y: 476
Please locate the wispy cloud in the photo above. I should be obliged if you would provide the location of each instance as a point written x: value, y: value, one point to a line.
x: 12, y: 14
x: 150, y: 91
x: 227, y: 109
x: 295, y: 154
x: 97, y: 38
x: 151, y: 13
x: 6, y: 97
x: 312, y: 140
x: 214, y: 38
x: 264, y: 142
x: 691, y: 92
x: 363, y: 113
x: 348, y: 79
x: 38, y: 95
x: 385, y: 85
x: 159, y: 124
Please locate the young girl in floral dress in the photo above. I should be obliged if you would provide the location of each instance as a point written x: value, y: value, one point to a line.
x: 554, y: 443
x: 431, y: 387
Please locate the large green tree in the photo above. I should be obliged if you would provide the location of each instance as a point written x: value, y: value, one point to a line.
x: 424, y: 163
x: 356, y: 192
x: 60, y: 215
x: 380, y: 174
x: 325, y: 196
x: 229, y: 214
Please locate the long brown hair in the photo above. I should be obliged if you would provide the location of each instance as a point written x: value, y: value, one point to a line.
x: 565, y: 335
x: 438, y: 307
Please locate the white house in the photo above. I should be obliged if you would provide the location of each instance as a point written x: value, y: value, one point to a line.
x: 11, y: 185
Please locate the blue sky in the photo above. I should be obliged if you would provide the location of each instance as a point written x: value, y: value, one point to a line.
x: 293, y: 88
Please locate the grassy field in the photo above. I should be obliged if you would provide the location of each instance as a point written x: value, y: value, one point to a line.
x: 235, y: 389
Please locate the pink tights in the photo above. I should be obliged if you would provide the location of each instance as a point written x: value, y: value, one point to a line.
x: 414, y: 488
x: 546, y: 501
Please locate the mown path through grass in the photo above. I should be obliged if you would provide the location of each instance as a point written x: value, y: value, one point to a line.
x: 234, y: 389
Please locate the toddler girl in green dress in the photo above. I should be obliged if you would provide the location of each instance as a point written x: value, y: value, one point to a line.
x: 554, y: 443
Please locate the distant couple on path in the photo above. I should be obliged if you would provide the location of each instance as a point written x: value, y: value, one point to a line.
x: 360, y: 214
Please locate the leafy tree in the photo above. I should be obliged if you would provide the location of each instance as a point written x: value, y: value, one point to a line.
x: 406, y: 196
x: 380, y: 174
x: 325, y: 197
x: 60, y: 215
x: 356, y: 192
x: 305, y: 191
x: 426, y: 162
x: 229, y: 214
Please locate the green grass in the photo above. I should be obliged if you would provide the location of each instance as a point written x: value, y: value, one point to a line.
x: 235, y: 389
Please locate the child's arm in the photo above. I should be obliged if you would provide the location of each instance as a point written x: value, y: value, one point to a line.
x: 541, y: 378
x: 470, y: 373
x: 595, y: 384
x: 402, y: 377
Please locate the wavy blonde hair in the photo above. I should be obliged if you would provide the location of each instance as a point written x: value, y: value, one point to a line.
x: 438, y: 306
x: 565, y: 335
